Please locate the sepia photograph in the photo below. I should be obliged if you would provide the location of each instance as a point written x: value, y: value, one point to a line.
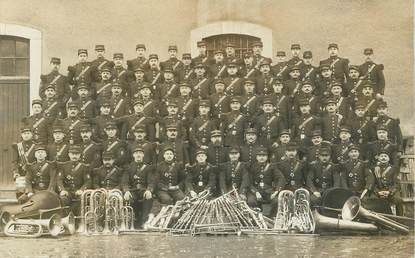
x: 207, y: 128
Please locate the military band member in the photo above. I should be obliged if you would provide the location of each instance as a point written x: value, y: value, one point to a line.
x: 331, y: 121
x: 100, y: 61
x: 248, y: 70
x: 250, y: 147
x: 72, y: 123
x: 356, y: 174
x: 264, y: 78
x: 120, y: 74
x: 153, y: 75
x: 306, y: 92
x: 308, y: 71
x: 392, y: 124
x: 169, y: 89
x: 312, y: 153
x: 55, y: 77
x: 373, y: 72
x: 234, y: 123
x: 353, y: 87
x: 344, y: 104
x: 363, y: 129
x: 109, y: 175
x: 339, y: 66
x: 232, y: 81
x: 280, y: 69
x: 382, y: 144
x: 102, y: 89
x: 186, y: 72
x: 387, y: 182
x: 73, y: 177
x: 341, y: 149
x: 220, y: 101
x: 114, y: 145
x: 295, y: 56
x: 203, y: 56
x: 58, y: 149
x: 200, y: 83
x: 281, y: 102
x: 257, y: 47
x: 53, y: 107
x: 279, y: 147
x: 172, y: 118
x: 40, y: 175
x: 179, y: 146
x: 292, y: 86
x: 82, y: 71
x: 88, y: 108
x: 292, y: 168
x: 137, y: 84
x: 324, y: 81
x: 269, y: 124
x: 139, y: 185
x: 369, y: 100
x: 233, y: 174
x: 266, y: 180
x: 140, y: 60
x: 149, y: 148
x: 173, y: 62
x: 217, y: 151
x: 150, y: 108
x: 305, y: 123
x: 322, y: 175
x: 218, y: 68
x: 230, y: 55
x: 38, y: 123
x: 91, y: 151
x: 250, y: 100
x: 101, y: 120
x: 171, y: 176
x: 120, y: 105
x: 200, y: 177
x: 187, y: 105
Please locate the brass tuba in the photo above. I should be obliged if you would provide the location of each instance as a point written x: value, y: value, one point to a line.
x: 33, y: 227
x: 302, y: 219
x: 285, y: 210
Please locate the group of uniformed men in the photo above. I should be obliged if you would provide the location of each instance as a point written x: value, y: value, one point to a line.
x: 181, y: 127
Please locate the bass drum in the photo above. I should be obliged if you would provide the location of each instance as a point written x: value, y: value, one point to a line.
x: 334, y: 198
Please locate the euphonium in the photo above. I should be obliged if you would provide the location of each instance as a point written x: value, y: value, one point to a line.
x: 353, y: 209
x: 332, y: 224
x: 33, y: 227
x: 303, y: 218
x: 285, y: 210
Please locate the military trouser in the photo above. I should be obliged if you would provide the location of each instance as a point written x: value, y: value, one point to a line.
x: 253, y: 202
x: 170, y: 197
x: 73, y: 201
x: 142, y: 207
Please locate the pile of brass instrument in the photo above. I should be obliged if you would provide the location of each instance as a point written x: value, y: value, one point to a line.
x: 104, y: 212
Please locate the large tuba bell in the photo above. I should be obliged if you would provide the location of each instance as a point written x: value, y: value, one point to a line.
x: 33, y: 227
x: 353, y: 209
x: 332, y: 224
x: 285, y: 210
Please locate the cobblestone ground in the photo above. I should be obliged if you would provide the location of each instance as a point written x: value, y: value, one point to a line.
x: 230, y: 246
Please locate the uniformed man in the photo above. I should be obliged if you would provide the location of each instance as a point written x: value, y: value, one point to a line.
x: 169, y: 89
x: 149, y: 148
x: 306, y: 92
x: 234, y: 123
x: 295, y: 56
x: 109, y: 175
x: 171, y: 178
x: 341, y: 149
x: 292, y: 86
x: 173, y: 62
x: 38, y: 123
x: 150, y: 108
x: 339, y: 66
x: 217, y: 151
x: 344, y: 104
x: 234, y: 175
x: 305, y: 123
x: 248, y: 70
x: 331, y: 121
x: 59, y: 148
x: 280, y: 69
x: 137, y: 84
x: 356, y: 174
x: 250, y: 147
x: 280, y: 101
x: 140, y: 60
x: 200, y: 177
x: 294, y: 170
x: 186, y: 71
x: 120, y: 74
x: 218, y: 68
x: 200, y: 83
x: 55, y: 77
x: 40, y: 175
x: 269, y: 124
x: 172, y: 118
x: 72, y: 123
x: 392, y: 124
x: 73, y: 177
x: 139, y: 185
x: 257, y: 47
x: 373, y: 72
x: 362, y: 128
x: 266, y: 181
x: 120, y: 105
x: 23, y: 154
x: 82, y: 71
x: 102, y: 89
x: 180, y: 147
x: 369, y: 100
x: 308, y: 71
x: 264, y: 78
x: 101, y: 120
x: 90, y: 150
x: 322, y: 175
x: 187, y: 105
x: 382, y: 144
x: 203, y: 56
x: 278, y: 148
x: 88, y: 108
x: 100, y: 61
x: 234, y: 86
x: 114, y: 145
x: 387, y: 182
x: 353, y: 87
x: 53, y: 107
x: 250, y: 100
x: 153, y: 75
x: 219, y: 100
x: 230, y: 56
x: 312, y: 153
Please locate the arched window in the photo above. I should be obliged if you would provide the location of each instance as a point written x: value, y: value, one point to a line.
x: 242, y: 43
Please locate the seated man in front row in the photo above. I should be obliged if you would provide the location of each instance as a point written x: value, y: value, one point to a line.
x: 201, y: 177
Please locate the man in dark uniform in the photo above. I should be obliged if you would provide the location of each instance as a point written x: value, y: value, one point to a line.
x: 150, y: 108
x: 217, y: 151
x: 362, y: 128
x: 266, y: 180
x: 72, y: 123
x: 250, y: 100
x: 232, y: 82
x: 312, y: 153
x: 304, y: 124
x: 137, y: 84
x: 387, y: 182
x: 306, y: 92
x: 202, y: 57
x: 55, y: 77
x: 295, y: 56
x: 53, y: 107
x: 171, y: 178
x: 324, y: 81
x: 140, y: 60
x: 179, y: 146
x: 88, y: 108
x: 58, y: 149
x: 257, y: 47
x: 281, y: 102
x: 339, y: 66
x: 292, y: 86
x: 248, y: 70
x: 139, y: 184
x: 149, y: 148
x: 187, y: 105
x: 341, y: 149
x: 331, y: 121
x: 102, y: 90
x: 269, y: 124
x: 200, y: 83
x: 233, y: 174
x: 123, y: 76
x: 308, y: 71
x: 322, y: 175
x: 100, y: 61
x: 167, y: 90
x: 73, y: 177
x: 120, y: 105
x: 356, y: 174
x: 278, y: 148
x: 186, y: 71
x: 114, y: 145
x: 101, y: 120
x: 231, y: 55
x: 369, y: 100
x: 353, y: 86
x: 40, y: 175
x: 173, y: 62
x: 293, y: 169
x: 82, y: 71
x: 219, y: 100
x: 373, y: 72
x: 234, y: 123
x: 280, y: 69
x: 218, y: 68
x: 109, y: 175
x: 250, y: 147
x: 38, y: 123
x: 200, y: 177
x: 153, y: 75
x: 394, y: 129
x: 264, y: 79
x: 172, y: 118
x: 91, y: 151
x: 344, y: 104
x: 382, y: 144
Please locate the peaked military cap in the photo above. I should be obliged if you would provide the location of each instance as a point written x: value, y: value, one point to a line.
x: 55, y: 60
x: 82, y: 51
x: 99, y: 47
x: 333, y: 45
x: 281, y: 53
x: 368, y: 51
x: 118, y: 55
x: 307, y: 54
x: 140, y: 46
x: 295, y: 46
